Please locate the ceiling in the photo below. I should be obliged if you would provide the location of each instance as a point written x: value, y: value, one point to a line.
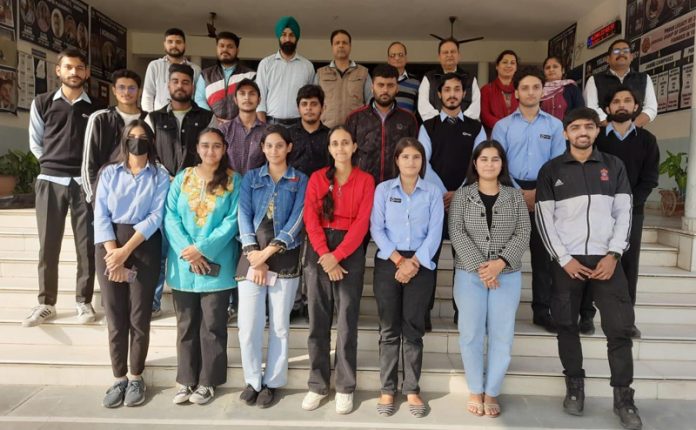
x: 366, y: 19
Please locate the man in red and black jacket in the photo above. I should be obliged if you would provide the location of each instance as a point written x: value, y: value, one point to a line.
x: 378, y: 126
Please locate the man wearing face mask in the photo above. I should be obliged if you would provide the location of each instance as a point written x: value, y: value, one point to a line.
x: 638, y: 149
x: 216, y: 85
x: 155, y: 91
x: 281, y: 75
x: 599, y: 86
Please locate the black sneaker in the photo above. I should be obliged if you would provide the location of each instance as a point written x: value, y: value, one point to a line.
x: 574, y: 402
x: 115, y: 394
x: 626, y: 409
x: 249, y: 395
x: 586, y: 326
x: 265, y: 398
x: 202, y: 395
x: 635, y: 333
x: 546, y: 322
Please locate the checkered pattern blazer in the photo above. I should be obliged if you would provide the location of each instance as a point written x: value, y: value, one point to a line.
x: 474, y: 243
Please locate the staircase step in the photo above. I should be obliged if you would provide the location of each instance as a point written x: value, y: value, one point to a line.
x: 659, y: 341
x: 90, y: 365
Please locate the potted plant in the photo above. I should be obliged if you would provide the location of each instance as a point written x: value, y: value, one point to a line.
x: 672, y: 200
x: 22, y: 167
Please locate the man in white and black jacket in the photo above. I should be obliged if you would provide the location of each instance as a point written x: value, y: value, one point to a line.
x: 583, y: 212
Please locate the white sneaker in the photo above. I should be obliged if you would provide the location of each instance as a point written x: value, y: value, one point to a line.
x: 85, y: 313
x: 312, y: 400
x: 39, y: 314
x: 183, y: 394
x: 344, y: 403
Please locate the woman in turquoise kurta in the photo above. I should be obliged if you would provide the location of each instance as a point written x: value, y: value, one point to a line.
x: 201, y: 224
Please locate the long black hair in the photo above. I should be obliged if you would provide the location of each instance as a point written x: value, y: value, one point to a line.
x: 276, y: 129
x: 149, y: 135
x: 328, y: 204
x: 223, y: 172
x: 503, y: 177
x: 409, y: 142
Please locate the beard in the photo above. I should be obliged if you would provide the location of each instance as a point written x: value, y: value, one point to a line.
x: 74, y: 85
x: 227, y: 59
x: 288, y: 48
x: 175, y: 53
x: 181, y: 97
x: 452, y: 103
x: 384, y: 102
x: 620, y: 116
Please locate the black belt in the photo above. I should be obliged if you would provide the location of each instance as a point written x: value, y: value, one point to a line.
x: 284, y: 121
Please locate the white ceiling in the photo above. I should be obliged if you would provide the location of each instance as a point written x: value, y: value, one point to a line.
x: 365, y: 19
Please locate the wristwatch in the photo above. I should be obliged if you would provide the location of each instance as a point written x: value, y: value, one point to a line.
x: 616, y: 255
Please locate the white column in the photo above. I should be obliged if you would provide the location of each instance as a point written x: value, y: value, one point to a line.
x: 689, y: 219
x: 482, y: 73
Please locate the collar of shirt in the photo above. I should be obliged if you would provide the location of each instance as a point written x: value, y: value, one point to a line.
x: 166, y: 59
x: 352, y: 64
x: 303, y: 130
x: 238, y: 121
x: 444, y: 116
x: 171, y: 110
x: 289, y: 172
x: 621, y: 78
x: 397, y: 184
x: 83, y: 97
x: 379, y: 112
x: 568, y: 158
x: 122, y: 166
x: 610, y: 128
x: 403, y: 76
x: 295, y: 57
x: 540, y: 114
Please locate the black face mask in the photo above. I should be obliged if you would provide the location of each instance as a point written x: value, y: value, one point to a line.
x: 138, y: 146
x: 620, y: 117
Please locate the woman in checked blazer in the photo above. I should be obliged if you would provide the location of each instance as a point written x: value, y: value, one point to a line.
x: 489, y: 229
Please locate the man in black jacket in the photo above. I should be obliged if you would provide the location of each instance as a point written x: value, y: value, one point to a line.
x: 177, y: 125
x: 380, y: 124
x: 638, y: 149
x: 104, y: 127
x: 583, y: 213
x: 57, y: 122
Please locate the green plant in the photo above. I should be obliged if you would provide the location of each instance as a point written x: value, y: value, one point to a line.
x: 22, y: 165
x: 672, y: 166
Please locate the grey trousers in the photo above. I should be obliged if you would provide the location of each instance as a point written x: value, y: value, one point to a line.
x: 322, y: 296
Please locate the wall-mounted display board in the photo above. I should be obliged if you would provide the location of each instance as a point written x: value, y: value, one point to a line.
x: 562, y: 46
x: 55, y: 24
x: 107, y: 45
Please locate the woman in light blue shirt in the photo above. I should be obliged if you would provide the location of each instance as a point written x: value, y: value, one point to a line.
x: 406, y: 224
x: 271, y: 202
x: 128, y: 211
x: 200, y: 224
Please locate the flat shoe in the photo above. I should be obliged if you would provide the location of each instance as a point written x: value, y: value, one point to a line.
x: 418, y: 411
x: 386, y: 409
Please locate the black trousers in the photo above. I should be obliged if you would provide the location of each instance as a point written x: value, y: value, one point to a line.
x: 612, y: 299
x: 201, y: 337
x: 52, y: 204
x: 630, y: 262
x: 541, y: 273
x: 322, y: 296
x: 128, y: 307
x: 401, y: 309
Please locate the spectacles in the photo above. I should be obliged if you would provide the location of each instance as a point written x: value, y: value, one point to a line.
x: 397, y: 55
x: 617, y: 51
x: 129, y: 89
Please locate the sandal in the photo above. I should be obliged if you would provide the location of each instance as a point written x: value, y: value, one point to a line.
x: 475, y: 408
x: 491, y: 410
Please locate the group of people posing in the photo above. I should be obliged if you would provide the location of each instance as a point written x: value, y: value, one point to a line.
x: 234, y: 190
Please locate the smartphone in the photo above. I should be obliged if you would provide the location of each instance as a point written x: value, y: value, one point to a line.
x: 214, y: 269
x: 271, y: 277
x: 132, y: 275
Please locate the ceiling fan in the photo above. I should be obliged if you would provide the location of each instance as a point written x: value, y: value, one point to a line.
x: 452, y: 19
x: 210, y: 25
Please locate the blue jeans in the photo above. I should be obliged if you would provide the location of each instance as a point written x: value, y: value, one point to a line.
x: 157, y: 301
x: 251, y: 321
x: 491, y: 311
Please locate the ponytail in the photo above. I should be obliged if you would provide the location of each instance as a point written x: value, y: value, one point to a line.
x: 327, y: 206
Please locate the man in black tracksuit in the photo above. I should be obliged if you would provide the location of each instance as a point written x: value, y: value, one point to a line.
x: 104, y: 127
x: 638, y: 149
x: 583, y: 213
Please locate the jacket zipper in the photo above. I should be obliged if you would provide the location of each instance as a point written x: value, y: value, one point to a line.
x: 587, y: 215
x: 381, y: 175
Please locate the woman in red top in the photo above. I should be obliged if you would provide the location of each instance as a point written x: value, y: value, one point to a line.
x: 337, y: 208
x: 498, y: 96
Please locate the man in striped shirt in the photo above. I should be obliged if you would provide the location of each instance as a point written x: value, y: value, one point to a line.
x: 407, y: 97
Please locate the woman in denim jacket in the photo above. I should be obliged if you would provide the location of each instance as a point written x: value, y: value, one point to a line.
x: 270, y: 226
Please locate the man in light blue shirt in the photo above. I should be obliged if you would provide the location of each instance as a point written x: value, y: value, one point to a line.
x: 531, y: 137
x: 281, y: 75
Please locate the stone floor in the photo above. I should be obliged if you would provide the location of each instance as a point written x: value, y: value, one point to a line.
x: 78, y: 408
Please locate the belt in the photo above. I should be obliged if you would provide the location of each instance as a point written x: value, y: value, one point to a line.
x: 284, y: 121
x: 526, y: 185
